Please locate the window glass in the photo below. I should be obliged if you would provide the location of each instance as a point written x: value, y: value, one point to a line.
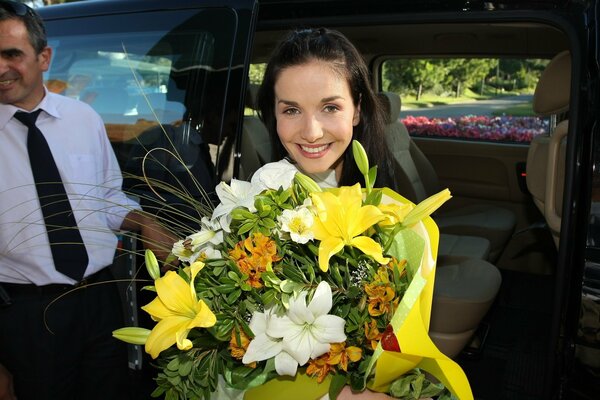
x: 467, y: 98
x: 160, y: 82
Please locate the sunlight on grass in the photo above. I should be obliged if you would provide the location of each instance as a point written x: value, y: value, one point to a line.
x: 518, y: 110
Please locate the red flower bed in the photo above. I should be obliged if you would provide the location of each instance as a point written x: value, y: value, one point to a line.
x: 504, y: 129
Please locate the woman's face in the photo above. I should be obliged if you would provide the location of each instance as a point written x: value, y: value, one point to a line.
x: 315, y: 116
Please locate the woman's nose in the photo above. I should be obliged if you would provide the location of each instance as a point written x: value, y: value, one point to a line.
x: 313, y: 129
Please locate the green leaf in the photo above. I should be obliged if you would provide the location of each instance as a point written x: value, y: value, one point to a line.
x: 245, y: 228
x: 218, y: 270
x: 374, y: 197
x: 241, y: 213
x: 335, y: 273
x: 174, y: 380
x: 233, y: 296
x: 173, y: 365
x: 337, y: 384
x: 294, y: 273
x: 353, y: 292
x: 373, y: 174
x: 269, y: 297
x: 185, y: 368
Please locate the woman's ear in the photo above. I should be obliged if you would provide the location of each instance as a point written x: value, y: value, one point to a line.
x: 356, y: 118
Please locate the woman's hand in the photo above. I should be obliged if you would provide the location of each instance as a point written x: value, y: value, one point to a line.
x: 347, y: 394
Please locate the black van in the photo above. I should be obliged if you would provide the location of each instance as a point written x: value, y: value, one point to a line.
x: 179, y: 74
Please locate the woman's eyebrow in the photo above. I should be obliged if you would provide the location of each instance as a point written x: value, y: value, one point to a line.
x: 323, y: 100
x: 331, y: 98
x: 287, y: 102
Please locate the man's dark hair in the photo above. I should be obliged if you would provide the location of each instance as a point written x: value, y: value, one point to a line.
x: 32, y: 20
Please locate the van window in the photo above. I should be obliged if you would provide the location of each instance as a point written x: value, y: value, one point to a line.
x: 159, y: 80
x: 483, y: 99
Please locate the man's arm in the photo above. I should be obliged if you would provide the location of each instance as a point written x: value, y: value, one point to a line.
x: 7, y: 391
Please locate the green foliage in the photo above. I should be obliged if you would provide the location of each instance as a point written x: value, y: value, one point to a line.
x: 452, y: 76
x: 415, y: 385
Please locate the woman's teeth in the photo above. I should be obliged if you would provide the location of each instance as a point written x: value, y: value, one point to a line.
x: 313, y: 149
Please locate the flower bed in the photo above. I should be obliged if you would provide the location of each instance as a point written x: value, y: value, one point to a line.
x: 504, y: 129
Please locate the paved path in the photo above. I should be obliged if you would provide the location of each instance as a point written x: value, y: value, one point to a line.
x: 482, y: 107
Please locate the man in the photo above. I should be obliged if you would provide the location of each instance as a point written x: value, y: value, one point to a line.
x: 55, y: 325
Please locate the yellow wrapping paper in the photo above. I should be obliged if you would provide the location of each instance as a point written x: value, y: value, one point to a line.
x: 410, y: 325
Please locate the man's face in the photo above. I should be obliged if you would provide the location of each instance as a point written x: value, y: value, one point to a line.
x: 21, y: 69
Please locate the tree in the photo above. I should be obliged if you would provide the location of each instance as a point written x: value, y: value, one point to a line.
x: 411, y: 75
x: 463, y: 72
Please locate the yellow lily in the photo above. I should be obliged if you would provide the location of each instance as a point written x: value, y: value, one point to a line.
x: 426, y: 207
x: 341, y: 221
x: 177, y: 310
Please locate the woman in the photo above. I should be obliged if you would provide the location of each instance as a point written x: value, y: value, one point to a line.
x: 315, y: 98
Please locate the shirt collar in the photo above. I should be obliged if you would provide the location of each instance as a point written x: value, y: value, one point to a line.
x: 48, y: 104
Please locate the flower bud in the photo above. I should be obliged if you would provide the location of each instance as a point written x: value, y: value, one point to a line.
x: 426, y: 207
x: 152, y: 264
x: 360, y: 157
x: 307, y: 183
x: 132, y: 335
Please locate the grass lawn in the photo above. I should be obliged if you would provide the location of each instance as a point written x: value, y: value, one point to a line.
x: 429, y: 100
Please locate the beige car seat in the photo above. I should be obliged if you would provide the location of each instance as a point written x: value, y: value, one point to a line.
x: 256, y: 148
x: 546, y: 156
x: 465, y: 284
x: 496, y: 224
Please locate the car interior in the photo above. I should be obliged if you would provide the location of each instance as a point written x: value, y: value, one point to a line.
x: 494, y: 278
x: 191, y: 91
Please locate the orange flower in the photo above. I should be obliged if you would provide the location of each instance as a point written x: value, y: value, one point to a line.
x: 400, y: 264
x: 339, y: 355
x: 381, y: 294
x: 319, y: 367
x: 238, y: 349
x: 372, y: 333
x: 254, y: 256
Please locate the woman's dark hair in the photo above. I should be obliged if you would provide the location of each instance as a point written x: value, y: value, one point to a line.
x: 302, y: 46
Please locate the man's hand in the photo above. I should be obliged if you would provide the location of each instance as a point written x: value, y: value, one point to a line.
x: 154, y: 236
x: 7, y: 391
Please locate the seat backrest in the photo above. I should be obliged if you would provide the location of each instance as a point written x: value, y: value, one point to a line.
x: 418, y: 180
x: 256, y: 149
x: 546, y: 156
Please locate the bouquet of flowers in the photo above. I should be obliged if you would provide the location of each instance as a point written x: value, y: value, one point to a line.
x: 289, y: 287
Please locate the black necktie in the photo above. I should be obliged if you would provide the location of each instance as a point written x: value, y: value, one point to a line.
x: 68, y: 251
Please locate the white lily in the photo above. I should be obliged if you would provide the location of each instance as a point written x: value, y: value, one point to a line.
x: 182, y: 252
x: 298, y: 224
x: 274, y: 175
x: 308, y: 330
x: 196, y: 244
x: 238, y: 194
x: 264, y: 346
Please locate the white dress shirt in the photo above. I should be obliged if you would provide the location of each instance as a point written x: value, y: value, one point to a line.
x: 92, y: 179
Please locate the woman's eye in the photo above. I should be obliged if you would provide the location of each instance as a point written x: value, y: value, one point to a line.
x: 330, y: 108
x: 291, y: 111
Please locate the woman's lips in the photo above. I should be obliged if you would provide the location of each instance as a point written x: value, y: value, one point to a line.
x: 313, y: 151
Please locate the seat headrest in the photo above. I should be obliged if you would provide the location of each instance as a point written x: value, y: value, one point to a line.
x: 392, y: 104
x: 252, y: 95
x: 552, y: 92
